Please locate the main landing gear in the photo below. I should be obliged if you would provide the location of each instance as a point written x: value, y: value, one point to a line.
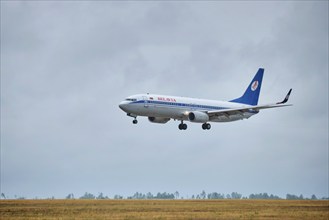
x: 182, y: 126
x: 206, y: 126
x: 135, y: 121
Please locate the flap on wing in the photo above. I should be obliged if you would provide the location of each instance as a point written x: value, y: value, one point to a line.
x: 251, y: 108
x: 255, y: 109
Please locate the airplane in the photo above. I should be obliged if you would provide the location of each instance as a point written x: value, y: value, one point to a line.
x: 162, y: 108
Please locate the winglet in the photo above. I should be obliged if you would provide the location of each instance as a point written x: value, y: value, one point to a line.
x: 286, y: 98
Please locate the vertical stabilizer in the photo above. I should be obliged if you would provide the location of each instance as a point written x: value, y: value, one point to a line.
x: 251, y: 95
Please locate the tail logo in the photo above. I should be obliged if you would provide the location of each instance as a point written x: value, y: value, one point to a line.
x: 254, y: 85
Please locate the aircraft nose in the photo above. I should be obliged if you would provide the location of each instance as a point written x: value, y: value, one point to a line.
x: 122, y: 105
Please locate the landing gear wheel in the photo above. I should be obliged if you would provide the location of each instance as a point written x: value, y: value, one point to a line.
x: 182, y: 126
x: 206, y: 126
x: 135, y: 121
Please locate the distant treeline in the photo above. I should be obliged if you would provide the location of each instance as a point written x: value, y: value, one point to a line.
x: 176, y: 195
x: 202, y: 195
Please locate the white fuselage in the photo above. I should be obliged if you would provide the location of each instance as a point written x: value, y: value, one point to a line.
x: 178, y: 108
x: 162, y: 108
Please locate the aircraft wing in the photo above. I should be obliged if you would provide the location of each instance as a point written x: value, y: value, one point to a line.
x: 256, y: 108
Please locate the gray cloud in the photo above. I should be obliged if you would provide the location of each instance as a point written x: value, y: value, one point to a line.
x: 65, y: 66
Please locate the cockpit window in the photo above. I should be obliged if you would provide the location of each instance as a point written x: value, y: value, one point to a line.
x: 133, y: 100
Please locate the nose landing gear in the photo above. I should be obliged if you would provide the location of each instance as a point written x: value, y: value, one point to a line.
x: 134, y: 116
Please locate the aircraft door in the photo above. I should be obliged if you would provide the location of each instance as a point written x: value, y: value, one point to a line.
x: 145, y: 102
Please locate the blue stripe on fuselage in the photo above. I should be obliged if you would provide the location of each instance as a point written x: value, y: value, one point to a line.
x: 177, y: 104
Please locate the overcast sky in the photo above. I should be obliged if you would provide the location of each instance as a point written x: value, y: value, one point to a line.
x: 66, y: 65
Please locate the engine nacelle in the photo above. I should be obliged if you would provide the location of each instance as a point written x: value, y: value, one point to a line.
x: 198, y: 117
x: 158, y: 120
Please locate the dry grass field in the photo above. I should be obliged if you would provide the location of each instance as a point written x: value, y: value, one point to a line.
x: 164, y: 209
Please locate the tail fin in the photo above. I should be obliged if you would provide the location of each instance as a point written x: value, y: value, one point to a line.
x: 250, y: 96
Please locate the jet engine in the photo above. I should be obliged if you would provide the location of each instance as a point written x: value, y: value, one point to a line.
x: 158, y: 120
x: 198, y: 117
